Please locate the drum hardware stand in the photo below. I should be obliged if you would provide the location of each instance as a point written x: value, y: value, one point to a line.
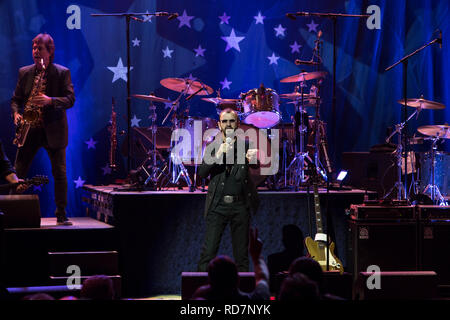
x: 435, y: 193
x: 298, y: 163
x: 398, y: 186
x: 128, y: 17
x: 176, y: 166
x: 404, y: 61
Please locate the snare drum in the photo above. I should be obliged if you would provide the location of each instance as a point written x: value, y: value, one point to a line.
x: 261, y: 108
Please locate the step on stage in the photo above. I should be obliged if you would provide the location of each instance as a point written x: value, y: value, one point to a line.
x: 28, y: 254
x: 160, y: 233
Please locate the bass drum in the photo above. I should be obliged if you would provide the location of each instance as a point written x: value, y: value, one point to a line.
x: 201, y: 132
x: 441, y: 171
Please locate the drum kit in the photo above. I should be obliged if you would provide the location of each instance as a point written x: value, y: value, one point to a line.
x: 429, y: 161
x: 259, y: 109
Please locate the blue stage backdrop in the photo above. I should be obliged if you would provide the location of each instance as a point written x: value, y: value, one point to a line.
x: 230, y: 45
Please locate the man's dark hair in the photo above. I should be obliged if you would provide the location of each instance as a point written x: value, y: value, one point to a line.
x: 309, y: 267
x: 298, y: 287
x: 223, y: 273
x: 98, y: 287
x: 48, y: 42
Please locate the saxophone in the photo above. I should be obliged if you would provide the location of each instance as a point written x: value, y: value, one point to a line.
x: 32, y: 115
x: 113, y: 131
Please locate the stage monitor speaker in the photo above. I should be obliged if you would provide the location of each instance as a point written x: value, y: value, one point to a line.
x: 392, y: 246
x: 20, y: 211
x: 421, y: 285
x: 190, y: 281
x: 334, y: 283
x: 434, y: 240
x: 370, y: 171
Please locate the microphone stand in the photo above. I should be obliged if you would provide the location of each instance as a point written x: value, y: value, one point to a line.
x: 333, y: 17
x: 128, y: 16
x: 404, y: 137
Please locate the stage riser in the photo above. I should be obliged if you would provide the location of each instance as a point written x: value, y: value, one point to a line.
x: 161, y: 234
x: 25, y: 255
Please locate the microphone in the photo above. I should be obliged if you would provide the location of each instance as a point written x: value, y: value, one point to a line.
x: 440, y: 39
x: 311, y: 63
x: 173, y: 16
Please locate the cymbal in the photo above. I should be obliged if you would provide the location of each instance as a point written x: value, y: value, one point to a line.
x: 222, y: 101
x: 297, y: 96
x: 151, y: 98
x: 441, y: 131
x: 304, y: 76
x: 422, y: 103
x: 180, y: 85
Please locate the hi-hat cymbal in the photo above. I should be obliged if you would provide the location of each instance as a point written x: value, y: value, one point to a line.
x: 222, y: 101
x: 304, y: 76
x: 151, y: 98
x: 441, y: 131
x: 422, y: 103
x: 180, y: 85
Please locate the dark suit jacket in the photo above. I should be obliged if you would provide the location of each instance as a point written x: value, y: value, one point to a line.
x: 216, y: 184
x: 60, y: 89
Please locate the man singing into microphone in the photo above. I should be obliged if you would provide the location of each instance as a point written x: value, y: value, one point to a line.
x: 45, y: 89
x: 231, y: 193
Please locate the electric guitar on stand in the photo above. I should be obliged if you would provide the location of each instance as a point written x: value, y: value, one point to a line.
x: 317, y: 248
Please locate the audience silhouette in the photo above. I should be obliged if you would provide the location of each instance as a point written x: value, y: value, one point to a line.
x: 279, y: 262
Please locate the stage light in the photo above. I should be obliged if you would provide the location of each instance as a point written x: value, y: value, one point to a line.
x: 341, y: 176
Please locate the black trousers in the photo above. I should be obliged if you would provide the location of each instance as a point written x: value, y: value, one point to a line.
x: 37, y: 139
x: 217, y: 219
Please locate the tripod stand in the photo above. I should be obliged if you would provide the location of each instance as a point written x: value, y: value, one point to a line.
x: 399, y: 186
x: 297, y: 165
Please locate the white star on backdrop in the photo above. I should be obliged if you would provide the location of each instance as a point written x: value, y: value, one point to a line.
x: 147, y: 18
x: 224, y: 18
x: 226, y: 84
x: 168, y: 105
x: 37, y: 188
x: 279, y: 30
x: 106, y: 169
x: 79, y: 182
x: 232, y: 41
x: 91, y: 143
x: 273, y: 59
x: 259, y: 18
x: 120, y: 72
x: 185, y: 20
x: 295, y: 47
x: 167, y: 52
x: 136, y: 42
x: 312, y: 26
x: 191, y: 77
x: 135, y: 121
x: 199, y: 51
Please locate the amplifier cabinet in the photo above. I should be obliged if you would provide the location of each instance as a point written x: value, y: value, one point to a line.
x: 434, y: 241
x: 392, y: 246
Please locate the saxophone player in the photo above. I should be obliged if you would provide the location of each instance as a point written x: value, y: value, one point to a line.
x: 43, y: 92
